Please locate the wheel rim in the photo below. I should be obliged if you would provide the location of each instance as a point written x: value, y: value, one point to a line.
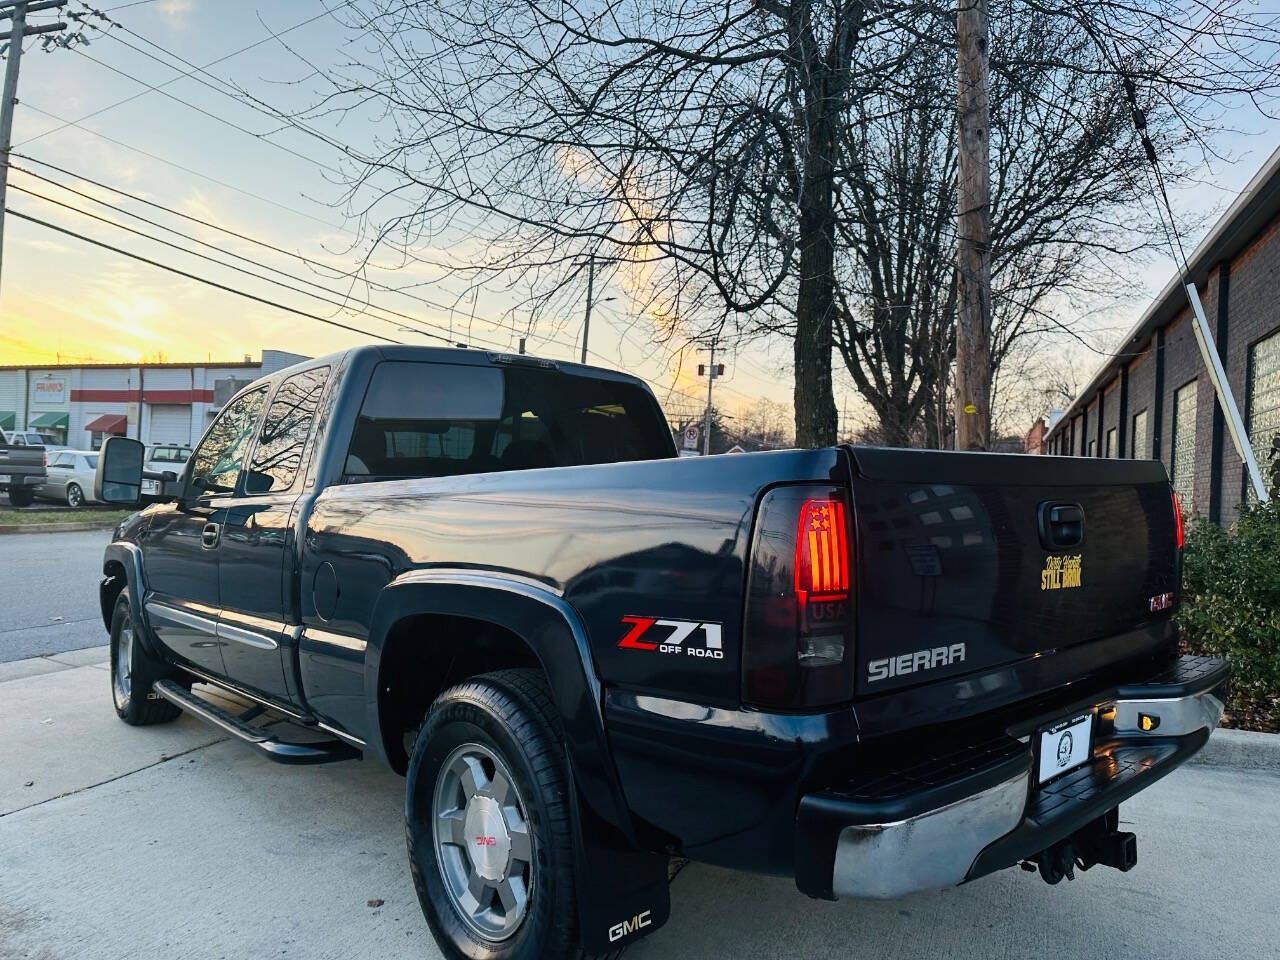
x: 75, y: 496
x: 483, y: 843
x: 123, y: 679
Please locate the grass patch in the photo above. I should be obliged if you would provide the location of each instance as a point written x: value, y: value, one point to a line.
x: 106, y: 516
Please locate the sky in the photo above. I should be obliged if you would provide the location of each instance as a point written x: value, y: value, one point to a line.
x: 65, y: 299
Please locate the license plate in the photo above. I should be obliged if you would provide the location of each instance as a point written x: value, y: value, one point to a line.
x: 4, y: 478
x: 150, y: 486
x: 1065, y: 746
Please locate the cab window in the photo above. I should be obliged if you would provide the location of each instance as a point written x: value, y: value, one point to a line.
x: 220, y: 456
x: 283, y: 440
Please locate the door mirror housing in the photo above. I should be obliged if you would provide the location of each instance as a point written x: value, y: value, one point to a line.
x: 118, y: 478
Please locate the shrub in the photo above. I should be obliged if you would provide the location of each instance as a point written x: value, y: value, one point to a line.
x: 1231, y: 607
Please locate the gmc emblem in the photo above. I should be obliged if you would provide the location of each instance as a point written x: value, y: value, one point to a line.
x: 628, y: 927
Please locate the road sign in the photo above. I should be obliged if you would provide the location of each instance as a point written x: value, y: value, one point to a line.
x: 691, y: 437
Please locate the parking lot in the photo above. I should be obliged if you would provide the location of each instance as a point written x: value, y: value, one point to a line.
x: 118, y: 842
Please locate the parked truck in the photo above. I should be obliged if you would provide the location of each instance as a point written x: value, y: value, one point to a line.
x: 22, y: 467
x: 876, y: 671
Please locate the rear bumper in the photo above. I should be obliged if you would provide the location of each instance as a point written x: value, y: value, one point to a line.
x: 945, y: 820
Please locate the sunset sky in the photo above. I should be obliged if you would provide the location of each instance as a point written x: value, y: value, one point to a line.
x: 64, y: 299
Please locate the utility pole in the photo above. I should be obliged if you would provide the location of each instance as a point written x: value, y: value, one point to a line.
x: 973, y: 267
x: 16, y: 10
x: 586, y: 321
x: 712, y: 371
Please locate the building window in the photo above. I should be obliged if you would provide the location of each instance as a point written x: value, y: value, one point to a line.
x: 1263, y: 403
x: 1111, y: 443
x: 1183, y: 464
x: 1093, y: 448
x: 1138, y: 441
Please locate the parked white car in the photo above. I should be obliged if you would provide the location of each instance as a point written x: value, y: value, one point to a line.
x: 159, y: 458
x: 69, y: 477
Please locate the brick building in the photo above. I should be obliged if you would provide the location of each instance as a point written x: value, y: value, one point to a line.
x: 1154, y: 398
x: 79, y: 405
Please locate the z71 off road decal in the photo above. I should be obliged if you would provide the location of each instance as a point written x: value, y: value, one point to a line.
x: 693, y: 638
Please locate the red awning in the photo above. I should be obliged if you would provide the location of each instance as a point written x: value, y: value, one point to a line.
x: 116, y: 423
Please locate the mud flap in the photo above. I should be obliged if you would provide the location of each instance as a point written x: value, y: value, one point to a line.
x: 622, y: 891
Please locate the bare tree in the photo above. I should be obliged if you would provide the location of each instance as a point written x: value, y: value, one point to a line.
x: 1069, y: 196
x: 718, y: 160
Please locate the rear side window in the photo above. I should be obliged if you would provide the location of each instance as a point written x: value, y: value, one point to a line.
x: 221, y: 454
x: 283, y: 440
x: 436, y: 420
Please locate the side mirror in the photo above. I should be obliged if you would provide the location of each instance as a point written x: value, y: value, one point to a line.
x: 118, y: 478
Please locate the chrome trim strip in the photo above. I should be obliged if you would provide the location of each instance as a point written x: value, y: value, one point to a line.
x: 165, y: 612
x: 1178, y: 716
x: 470, y: 574
x: 334, y: 639
x: 354, y: 741
x: 884, y: 861
x: 248, y: 637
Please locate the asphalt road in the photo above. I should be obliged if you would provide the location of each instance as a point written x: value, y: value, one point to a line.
x: 49, y: 592
x: 117, y: 843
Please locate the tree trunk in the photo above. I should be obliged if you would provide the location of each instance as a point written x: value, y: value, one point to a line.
x: 817, y: 420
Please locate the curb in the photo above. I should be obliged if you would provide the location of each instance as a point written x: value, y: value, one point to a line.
x: 56, y: 527
x: 1241, y: 750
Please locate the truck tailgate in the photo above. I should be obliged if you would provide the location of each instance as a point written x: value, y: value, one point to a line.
x: 964, y: 566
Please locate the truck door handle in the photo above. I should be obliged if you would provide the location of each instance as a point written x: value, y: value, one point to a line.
x: 209, y: 537
x: 1061, y: 525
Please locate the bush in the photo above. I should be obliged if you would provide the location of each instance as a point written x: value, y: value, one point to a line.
x: 1231, y: 607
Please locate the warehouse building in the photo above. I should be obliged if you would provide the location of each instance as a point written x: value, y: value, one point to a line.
x: 1155, y: 399
x: 80, y: 405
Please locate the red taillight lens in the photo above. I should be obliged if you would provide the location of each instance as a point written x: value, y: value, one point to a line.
x: 1177, y: 518
x: 797, y: 638
x: 822, y: 553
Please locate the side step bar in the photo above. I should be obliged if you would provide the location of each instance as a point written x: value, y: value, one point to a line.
x: 281, y: 751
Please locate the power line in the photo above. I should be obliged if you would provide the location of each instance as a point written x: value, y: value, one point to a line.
x: 194, y: 69
x: 229, y: 266
x: 184, y: 169
x: 241, y: 236
x: 199, y: 279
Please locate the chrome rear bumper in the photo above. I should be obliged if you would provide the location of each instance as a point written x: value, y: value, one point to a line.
x: 1007, y: 819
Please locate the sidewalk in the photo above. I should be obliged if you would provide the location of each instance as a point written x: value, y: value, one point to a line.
x: 170, y: 841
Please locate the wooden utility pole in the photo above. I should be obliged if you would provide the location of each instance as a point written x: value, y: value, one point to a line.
x: 586, y: 321
x: 16, y: 10
x: 973, y: 224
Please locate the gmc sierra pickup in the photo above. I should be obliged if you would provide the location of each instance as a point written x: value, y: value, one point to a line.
x: 875, y: 671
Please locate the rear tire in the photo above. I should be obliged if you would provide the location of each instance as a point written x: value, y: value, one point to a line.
x: 133, y: 670
x: 487, y: 822
x: 75, y: 496
x: 21, y: 496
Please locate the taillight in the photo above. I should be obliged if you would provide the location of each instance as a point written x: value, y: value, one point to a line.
x: 1177, y: 517
x: 797, y: 647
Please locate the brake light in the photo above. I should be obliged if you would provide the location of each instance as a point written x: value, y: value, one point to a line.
x: 822, y: 554
x: 1177, y: 517
x: 797, y: 643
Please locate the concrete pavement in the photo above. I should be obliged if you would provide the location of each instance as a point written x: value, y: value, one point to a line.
x: 171, y: 841
x: 49, y: 593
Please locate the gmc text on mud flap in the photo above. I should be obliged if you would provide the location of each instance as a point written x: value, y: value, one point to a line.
x: 694, y: 638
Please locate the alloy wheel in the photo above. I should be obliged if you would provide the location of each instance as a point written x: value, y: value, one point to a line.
x: 483, y: 841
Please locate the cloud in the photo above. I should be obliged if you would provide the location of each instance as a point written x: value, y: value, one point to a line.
x: 175, y: 8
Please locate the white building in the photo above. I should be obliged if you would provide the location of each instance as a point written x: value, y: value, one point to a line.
x: 78, y: 405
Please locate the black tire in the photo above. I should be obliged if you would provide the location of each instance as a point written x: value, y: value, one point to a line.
x: 135, y: 704
x: 75, y: 495
x: 21, y: 496
x: 509, y: 714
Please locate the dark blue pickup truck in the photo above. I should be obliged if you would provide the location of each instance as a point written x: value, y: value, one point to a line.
x: 875, y: 671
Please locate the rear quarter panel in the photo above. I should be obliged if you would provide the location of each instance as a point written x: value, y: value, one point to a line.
x: 662, y: 539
